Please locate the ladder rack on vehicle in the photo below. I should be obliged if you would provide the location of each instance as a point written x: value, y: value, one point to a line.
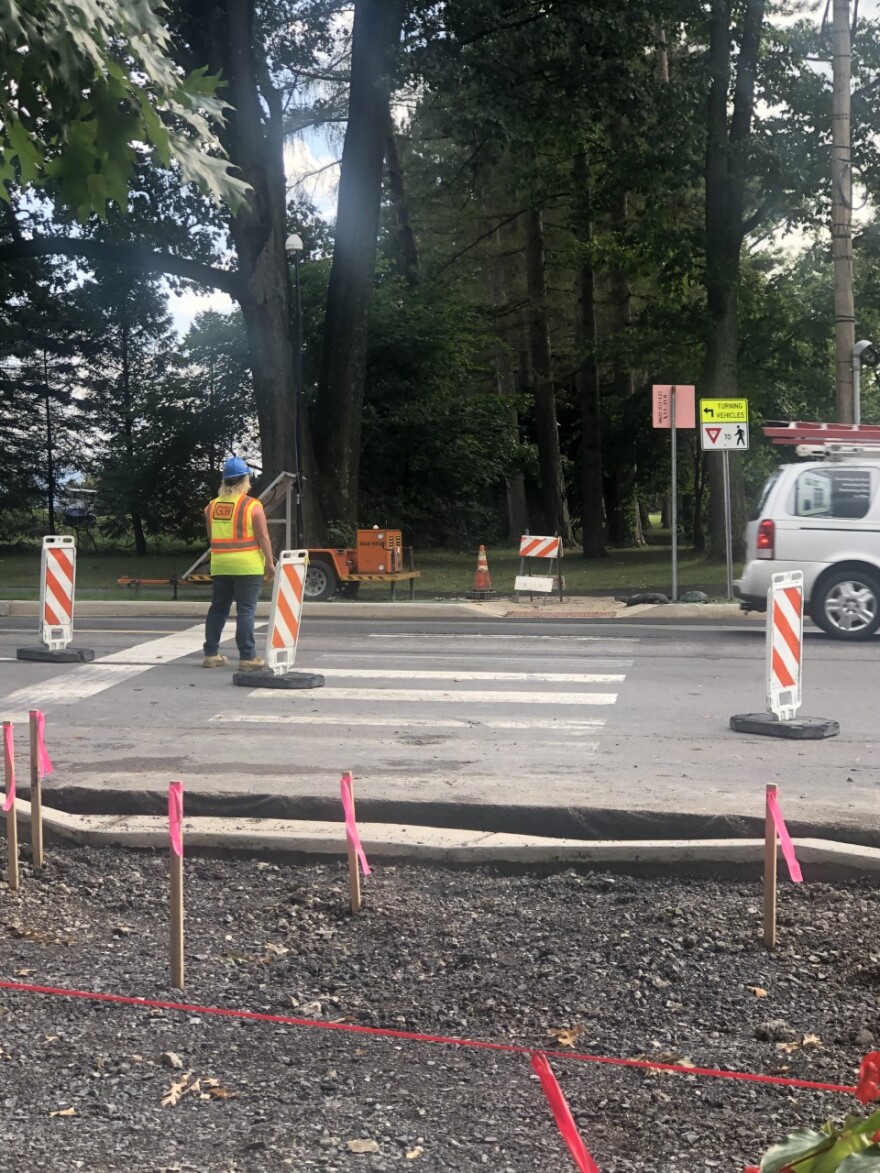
x: 861, y: 436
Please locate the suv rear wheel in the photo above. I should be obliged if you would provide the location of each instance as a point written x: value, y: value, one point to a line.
x: 846, y: 604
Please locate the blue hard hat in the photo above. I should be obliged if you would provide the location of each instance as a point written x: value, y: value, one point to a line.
x: 235, y: 467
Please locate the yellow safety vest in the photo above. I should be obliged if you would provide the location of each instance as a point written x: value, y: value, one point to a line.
x: 234, y: 548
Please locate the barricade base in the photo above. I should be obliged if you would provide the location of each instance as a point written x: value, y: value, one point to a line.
x: 482, y: 594
x: 270, y: 680
x: 799, y: 729
x: 62, y: 656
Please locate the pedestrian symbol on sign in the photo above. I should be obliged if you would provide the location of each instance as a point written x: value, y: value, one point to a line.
x: 740, y: 437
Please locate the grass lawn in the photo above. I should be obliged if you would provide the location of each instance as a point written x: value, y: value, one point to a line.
x: 444, y: 574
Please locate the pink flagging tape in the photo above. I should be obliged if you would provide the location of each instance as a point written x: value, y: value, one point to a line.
x: 794, y: 868
x: 350, y: 824
x: 415, y: 1037
x: 562, y: 1114
x: 44, y: 762
x: 9, y: 762
x: 175, y: 816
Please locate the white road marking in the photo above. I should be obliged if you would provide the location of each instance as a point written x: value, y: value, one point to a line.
x: 575, y: 726
x: 438, y: 695
x: 77, y: 683
x: 496, y: 657
x: 427, y: 636
x: 411, y: 674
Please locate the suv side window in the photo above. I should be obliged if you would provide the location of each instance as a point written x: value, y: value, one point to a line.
x: 765, y: 493
x: 843, y: 493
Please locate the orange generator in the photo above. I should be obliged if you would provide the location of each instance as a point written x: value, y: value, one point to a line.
x: 377, y: 557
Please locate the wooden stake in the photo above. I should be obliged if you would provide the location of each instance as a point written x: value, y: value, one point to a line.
x: 36, y: 794
x: 770, y: 856
x: 177, y: 976
x: 354, y: 875
x: 11, y: 823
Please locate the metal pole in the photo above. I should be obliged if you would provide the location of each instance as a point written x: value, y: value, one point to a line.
x: 728, y: 524
x: 288, y: 519
x: 298, y: 414
x: 857, y: 388
x: 673, y: 521
x: 841, y: 211
x: 50, y: 444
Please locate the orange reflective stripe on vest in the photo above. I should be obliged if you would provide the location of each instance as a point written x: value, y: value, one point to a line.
x: 234, y: 547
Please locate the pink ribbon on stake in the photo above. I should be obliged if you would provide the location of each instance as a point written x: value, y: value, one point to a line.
x: 794, y: 868
x: 562, y: 1114
x: 350, y: 824
x: 44, y: 762
x: 9, y: 759
x: 175, y: 816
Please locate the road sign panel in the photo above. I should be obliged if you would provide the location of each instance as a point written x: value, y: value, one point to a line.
x: 685, y: 415
x: 724, y: 437
x: 724, y: 411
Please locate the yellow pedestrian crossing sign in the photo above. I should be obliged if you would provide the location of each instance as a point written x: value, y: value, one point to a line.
x: 724, y: 411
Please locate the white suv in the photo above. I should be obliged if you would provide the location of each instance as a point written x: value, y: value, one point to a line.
x: 823, y: 518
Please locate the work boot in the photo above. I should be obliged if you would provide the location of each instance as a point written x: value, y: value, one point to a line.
x: 214, y: 661
x: 251, y: 665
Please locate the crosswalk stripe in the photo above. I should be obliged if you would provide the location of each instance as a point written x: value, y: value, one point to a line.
x: 451, y: 674
x: 427, y: 636
x: 465, y: 697
x: 553, y: 724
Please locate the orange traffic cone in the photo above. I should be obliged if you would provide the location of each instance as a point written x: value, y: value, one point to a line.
x: 482, y: 588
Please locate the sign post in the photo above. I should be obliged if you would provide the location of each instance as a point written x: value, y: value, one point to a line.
x: 673, y: 409
x: 724, y: 427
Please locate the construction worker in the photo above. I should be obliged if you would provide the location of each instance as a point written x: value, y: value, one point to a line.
x: 241, y: 557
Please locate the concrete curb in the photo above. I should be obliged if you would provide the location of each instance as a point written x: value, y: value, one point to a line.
x: 822, y: 858
x: 585, y: 607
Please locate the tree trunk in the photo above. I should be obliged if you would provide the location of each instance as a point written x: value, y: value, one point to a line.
x: 505, y: 381
x: 137, y: 525
x: 587, y: 374
x: 725, y: 231
x: 375, y: 40
x: 625, y: 525
x: 697, y: 533
x: 223, y: 36
x: 400, y: 200
x: 555, y: 506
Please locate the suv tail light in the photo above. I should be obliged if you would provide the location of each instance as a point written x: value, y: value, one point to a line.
x: 766, y: 542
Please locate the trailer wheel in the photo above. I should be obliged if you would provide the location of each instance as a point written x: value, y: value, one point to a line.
x: 349, y: 590
x: 321, y: 582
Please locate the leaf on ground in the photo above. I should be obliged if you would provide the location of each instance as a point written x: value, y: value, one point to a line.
x: 64, y: 1112
x: 363, y: 1146
x: 177, y: 1090
x: 23, y: 972
x: 219, y: 1093
x: 566, y: 1036
x: 413, y: 1153
x: 797, y: 1045
x: 758, y: 991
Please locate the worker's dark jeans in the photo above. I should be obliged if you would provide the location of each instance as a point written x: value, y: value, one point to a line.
x: 243, y: 590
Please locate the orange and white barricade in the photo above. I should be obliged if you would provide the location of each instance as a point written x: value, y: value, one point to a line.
x: 57, y: 582
x: 286, y: 614
x: 536, y: 546
x: 785, y: 640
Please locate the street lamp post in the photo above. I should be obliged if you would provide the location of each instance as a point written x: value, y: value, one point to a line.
x: 294, y: 246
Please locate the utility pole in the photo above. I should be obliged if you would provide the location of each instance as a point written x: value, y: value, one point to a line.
x: 841, y: 212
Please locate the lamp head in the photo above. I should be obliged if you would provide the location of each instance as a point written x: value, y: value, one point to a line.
x: 293, y: 244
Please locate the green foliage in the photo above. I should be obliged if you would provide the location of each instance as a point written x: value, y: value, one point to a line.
x: 435, y: 451
x: 85, y: 83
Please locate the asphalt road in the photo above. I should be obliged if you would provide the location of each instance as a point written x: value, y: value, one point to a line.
x: 584, y: 727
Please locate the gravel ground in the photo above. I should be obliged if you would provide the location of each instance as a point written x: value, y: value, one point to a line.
x: 667, y: 969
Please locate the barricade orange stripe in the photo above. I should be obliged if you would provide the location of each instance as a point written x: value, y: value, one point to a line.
x: 50, y: 617
x: 796, y: 598
x: 62, y: 599
x: 781, y: 672
x: 291, y: 621
x: 784, y: 629
x: 65, y: 563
